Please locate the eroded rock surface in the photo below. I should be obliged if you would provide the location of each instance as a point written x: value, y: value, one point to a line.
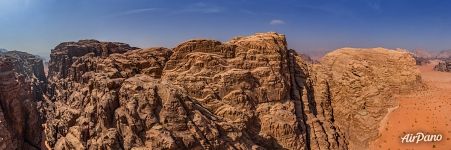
x: 248, y: 93
x: 86, y: 95
x: 22, y: 87
x: 362, y: 85
x: 64, y: 54
x: 256, y: 91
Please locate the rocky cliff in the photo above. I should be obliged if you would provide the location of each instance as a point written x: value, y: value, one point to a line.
x: 251, y: 92
x: 22, y: 88
x: 362, y: 84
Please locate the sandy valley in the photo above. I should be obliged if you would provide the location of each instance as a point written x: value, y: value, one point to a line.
x: 425, y: 111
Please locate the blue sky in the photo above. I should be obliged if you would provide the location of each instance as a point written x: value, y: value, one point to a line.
x: 36, y: 26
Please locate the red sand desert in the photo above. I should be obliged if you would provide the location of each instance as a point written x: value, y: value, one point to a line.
x: 427, y: 111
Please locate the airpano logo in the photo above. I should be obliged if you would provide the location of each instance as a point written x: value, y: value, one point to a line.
x: 421, y: 137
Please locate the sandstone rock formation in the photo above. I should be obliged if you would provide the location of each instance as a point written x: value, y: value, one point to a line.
x: 362, y: 84
x: 22, y: 86
x: 259, y: 93
x: 64, y: 54
x: 444, y: 66
x: 248, y: 93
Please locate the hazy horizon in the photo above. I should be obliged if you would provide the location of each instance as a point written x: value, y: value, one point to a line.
x: 37, y: 26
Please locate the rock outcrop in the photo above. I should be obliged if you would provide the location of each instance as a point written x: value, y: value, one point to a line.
x: 422, y: 57
x: 444, y: 66
x: 362, y: 85
x: 64, y: 54
x: 248, y: 93
x: 421, y: 61
x: 22, y: 88
x: 256, y: 91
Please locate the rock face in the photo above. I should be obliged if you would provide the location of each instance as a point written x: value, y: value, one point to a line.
x: 255, y: 92
x: 362, y: 83
x: 22, y: 87
x: 444, y: 66
x: 248, y: 93
x: 64, y: 54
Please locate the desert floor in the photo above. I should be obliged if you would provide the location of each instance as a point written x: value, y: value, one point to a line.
x: 427, y: 111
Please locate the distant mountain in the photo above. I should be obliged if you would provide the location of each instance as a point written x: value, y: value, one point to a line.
x: 423, y: 53
x: 444, y: 54
x: 3, y: 50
